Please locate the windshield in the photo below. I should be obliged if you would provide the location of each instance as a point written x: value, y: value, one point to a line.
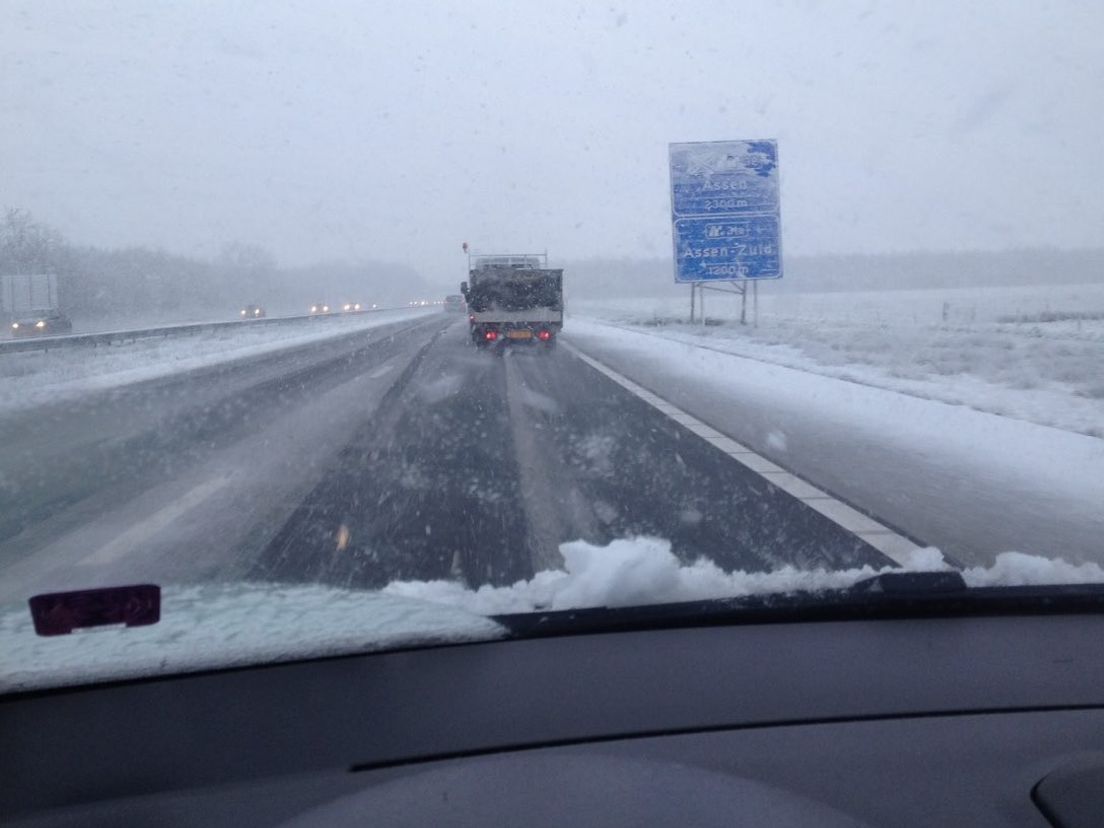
x: 357, y: 326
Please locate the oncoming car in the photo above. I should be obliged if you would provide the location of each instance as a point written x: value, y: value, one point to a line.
x: 319, y: 308
x: 252, y: 312
x: 42, y: 323
x: 351, y: 307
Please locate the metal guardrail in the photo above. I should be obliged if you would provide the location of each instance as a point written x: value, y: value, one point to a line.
x: 48, y: 342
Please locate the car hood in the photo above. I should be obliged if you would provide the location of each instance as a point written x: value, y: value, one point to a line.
x: 227, y: 625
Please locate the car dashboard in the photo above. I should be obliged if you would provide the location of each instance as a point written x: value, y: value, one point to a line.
x: 882, y: 722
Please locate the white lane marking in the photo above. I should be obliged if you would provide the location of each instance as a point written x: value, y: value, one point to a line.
x: 894, y: 546
x: 136, y: 535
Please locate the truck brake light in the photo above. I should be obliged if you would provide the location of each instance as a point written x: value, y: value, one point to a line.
x: 544, y: 336
x: 490, y: 336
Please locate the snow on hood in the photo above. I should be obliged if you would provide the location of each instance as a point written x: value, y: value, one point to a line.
x: 227, y: 625
x: 644, y: 571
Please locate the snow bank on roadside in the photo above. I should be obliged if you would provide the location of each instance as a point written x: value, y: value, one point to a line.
x: 1043, y: 372
x: 644, y: 571
x: 933, y: 441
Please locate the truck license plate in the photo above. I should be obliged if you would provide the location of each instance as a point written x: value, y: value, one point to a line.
x: 519, y: 334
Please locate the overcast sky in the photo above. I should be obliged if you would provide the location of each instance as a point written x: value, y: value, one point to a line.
x: 348, y: 130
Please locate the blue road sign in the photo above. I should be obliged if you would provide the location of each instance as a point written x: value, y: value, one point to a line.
x: 725, y: 211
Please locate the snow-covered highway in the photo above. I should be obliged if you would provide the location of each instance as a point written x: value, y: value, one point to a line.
x: 401, y: 453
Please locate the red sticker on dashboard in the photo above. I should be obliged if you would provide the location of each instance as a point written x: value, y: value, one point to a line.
x: 59, y: 613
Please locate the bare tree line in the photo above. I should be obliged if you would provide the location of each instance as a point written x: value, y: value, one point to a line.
x: 149, y: 284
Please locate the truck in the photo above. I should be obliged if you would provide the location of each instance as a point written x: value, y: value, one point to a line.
x: 513, y: 298
x: 29, y: 304
x: 21, y: 293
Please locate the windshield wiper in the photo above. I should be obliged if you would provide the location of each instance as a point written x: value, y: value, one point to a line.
x: 884, y: 596
x: 909, y: 583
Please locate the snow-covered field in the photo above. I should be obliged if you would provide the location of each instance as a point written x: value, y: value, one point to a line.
x: 31, y: 378
x: 1035, y: 353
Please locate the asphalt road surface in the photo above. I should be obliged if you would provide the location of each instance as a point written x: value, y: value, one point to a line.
x: 401, y: 452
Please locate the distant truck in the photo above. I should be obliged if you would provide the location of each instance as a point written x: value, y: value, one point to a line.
x: 21, y: 293
x: 41, y: 322
x: 454, y: 303
x: 29, y: 304
x: 513, y: 298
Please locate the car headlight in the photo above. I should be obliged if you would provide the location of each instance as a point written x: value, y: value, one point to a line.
x: 243, y: 313
x: 314, y: 309
x: 257, y: 312
x: 15, y: 325
x: 40, y: 324
x: 325, y: 309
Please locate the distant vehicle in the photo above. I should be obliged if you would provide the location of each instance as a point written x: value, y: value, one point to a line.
x: 29, y: 303
x: 41, y: 323
x: 454, y: 303
x: 22, y: 294
x: 319, y: 308
x: 253, y: 312
x: 351, y: 307
x: 514, y: 298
